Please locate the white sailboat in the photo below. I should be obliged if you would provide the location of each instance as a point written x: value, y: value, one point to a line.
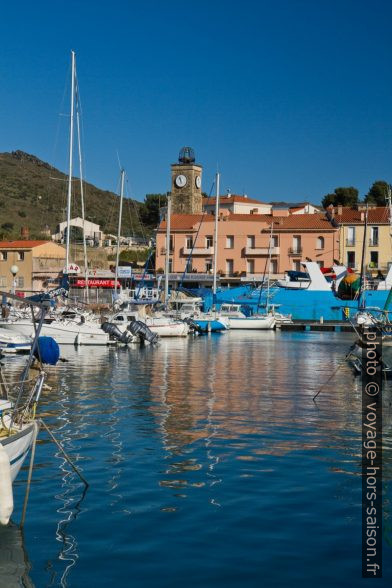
x: 79, y: 329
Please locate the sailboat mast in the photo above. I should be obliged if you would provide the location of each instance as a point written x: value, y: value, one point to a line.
x: 168, y: 215
x: 216, y: 236
x: 119, y: 228
x: 82, y: 204
x: 362, y: 278
x: 69, y: 196
x: 269, y: 267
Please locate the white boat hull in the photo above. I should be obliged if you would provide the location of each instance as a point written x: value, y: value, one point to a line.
x: 17, y: 447
x: 254, y: 323
x: 64, y: 333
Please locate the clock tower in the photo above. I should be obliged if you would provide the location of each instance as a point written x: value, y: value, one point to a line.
x: 186, y: 184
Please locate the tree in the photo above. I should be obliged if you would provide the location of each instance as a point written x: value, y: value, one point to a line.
x: 150, y: 208
x: 342, y: 196
x: 377, y: 193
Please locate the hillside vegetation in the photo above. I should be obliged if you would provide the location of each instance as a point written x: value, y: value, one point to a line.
x: 33, y: 194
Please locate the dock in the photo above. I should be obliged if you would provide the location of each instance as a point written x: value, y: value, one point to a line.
x: 336, y: 326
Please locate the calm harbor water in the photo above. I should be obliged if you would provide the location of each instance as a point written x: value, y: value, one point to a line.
x: 209, y: 465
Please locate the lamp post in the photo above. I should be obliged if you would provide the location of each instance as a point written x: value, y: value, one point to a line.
x: 14, y: 270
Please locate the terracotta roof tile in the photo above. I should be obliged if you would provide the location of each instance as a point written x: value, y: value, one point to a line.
x: 233, y: 198
x: 379, y: 214
x: 22, y: 244
x: 317, y: 221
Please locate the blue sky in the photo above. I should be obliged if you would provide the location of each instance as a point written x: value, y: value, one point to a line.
x: 290, y: 98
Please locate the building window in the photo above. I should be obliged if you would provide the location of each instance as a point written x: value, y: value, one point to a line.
x: 373, y: 236
x: 273, y: 267
x: 230, y: 242
x: 250, y: 241
x: 320, y: 243
x: 208, y: 266
x: 350, y: 237
x: 297, y: 244
x: 351, y: 259
x: 297, y: 265
x: 250, y: 266
x: 3, y: 255
x: 170, y: 266
x: 274, y: 241
x: 189, y: 242
x: 3, y: 282
x: 373, y: 259
x: 20, y: 255
x: 229, y: 266
x: 209, y: 241
x: 20, y: 282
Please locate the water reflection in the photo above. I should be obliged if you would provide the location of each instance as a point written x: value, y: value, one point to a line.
x: 184, y: 430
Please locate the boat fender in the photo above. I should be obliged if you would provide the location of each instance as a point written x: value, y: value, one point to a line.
x: 6, y: 496
x: 49, y: 350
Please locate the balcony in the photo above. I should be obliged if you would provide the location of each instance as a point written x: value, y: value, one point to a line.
x: 163, y: 250
x: 373, y: 242
x: 350, y: 242
x: 252, y: 251
x: 295, y: 251
x: 198, y: 251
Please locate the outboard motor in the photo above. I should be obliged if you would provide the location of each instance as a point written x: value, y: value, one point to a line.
x: 193, y: 325
x: 142, y: 331
x: 113, y: 330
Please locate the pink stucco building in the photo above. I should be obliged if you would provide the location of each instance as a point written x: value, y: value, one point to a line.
x: 243, y: 242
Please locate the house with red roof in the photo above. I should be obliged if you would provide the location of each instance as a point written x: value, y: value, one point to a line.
x: 35, y: 265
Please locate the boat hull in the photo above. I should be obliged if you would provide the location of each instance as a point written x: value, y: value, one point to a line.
x: 64, y: 334
x: 17, y: 447
x: 253, y: 323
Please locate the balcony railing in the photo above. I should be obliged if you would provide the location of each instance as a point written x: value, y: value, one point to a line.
x: 261, y: 251
x: 350, y: 242
x: 198, y: 251
x: 295, y: 250
x: 163, y: 250
x: 373, y: 242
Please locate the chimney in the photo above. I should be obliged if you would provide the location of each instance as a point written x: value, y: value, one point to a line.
x: 362, y: 217
x: 340, y: 210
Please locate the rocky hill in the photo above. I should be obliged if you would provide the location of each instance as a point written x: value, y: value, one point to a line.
x: 33, y: 194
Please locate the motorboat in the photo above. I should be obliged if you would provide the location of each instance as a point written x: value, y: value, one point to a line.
x: 73, y: 329
x: 239, y: 320
x: 13, y: 342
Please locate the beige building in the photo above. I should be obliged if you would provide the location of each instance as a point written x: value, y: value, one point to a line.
x: 378, y: 246
x: 38, y: 263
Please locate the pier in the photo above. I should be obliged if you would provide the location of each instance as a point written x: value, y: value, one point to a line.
x: 336, y: 326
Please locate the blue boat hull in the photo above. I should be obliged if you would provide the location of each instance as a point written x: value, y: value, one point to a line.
x: 307, y: 305
x: 213, y: 325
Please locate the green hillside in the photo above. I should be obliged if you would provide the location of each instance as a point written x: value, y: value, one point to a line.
x: 33, y: 194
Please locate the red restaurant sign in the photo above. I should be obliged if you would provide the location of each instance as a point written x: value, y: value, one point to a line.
x: 93, y: 283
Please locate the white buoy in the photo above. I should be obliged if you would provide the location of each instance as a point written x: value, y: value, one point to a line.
x: 6, y: 495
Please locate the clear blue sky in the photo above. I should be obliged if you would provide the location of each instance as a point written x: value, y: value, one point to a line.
x: 291, y: 98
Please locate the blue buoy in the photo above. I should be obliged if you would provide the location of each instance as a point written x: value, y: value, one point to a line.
x: 49, y: 350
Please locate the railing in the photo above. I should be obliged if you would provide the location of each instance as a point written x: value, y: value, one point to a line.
x: 350, y: 242
x: 163, y: 250
x: 295, y: 250
x: 373, y: 242
x: 262, y: 251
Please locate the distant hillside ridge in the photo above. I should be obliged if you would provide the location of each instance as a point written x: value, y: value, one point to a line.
x: 33, y: 194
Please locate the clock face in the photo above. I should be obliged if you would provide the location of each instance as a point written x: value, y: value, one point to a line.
x: 198, y: 181
x: 180, y: 181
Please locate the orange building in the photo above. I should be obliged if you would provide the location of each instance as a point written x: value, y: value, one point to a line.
x: 243, y: 242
